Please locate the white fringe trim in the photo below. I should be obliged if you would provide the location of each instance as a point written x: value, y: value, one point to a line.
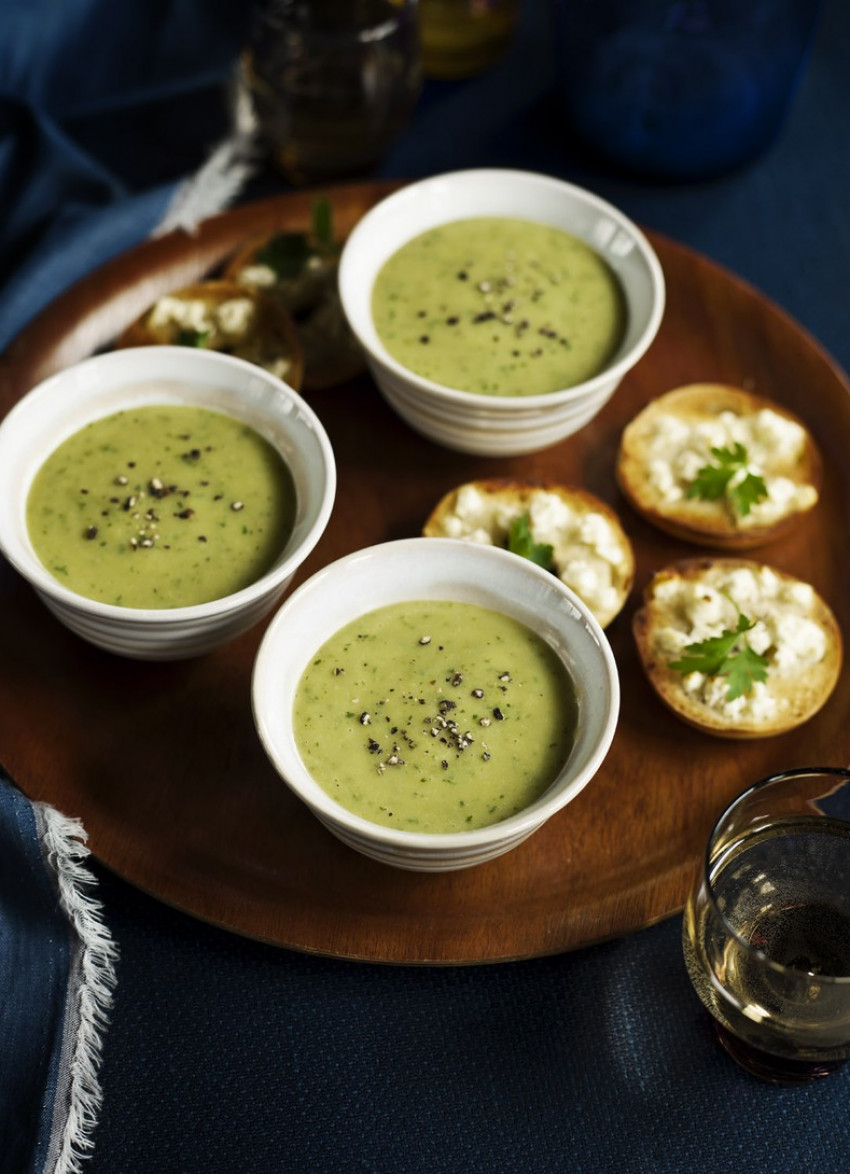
x: 223, y: 176
x: 64, y: 840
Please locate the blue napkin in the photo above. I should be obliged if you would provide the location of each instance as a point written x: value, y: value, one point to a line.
x: 57, y: 977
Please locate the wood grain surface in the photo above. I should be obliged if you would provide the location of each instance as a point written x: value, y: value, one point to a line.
x: 161, y: 761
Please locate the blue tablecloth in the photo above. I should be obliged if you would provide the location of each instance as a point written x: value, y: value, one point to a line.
x: 227, y: 1055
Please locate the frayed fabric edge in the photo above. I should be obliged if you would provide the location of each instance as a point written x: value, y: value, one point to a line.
x: 91, y: 991
x: 220, y: 180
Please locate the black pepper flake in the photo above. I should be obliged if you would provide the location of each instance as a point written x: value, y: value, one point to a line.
x: 498, y: 715
x: 187, y: 513
x: 202, y: 538
x: 424, y: 338
x: 453, y: 321
x: 83, y: 491
x: 444, y: 764
x: 477, y: 692
x: 463, y: 275
x: 91, y: 532
x: 484, y: 316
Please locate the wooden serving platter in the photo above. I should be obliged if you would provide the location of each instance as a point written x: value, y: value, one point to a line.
x: 162, y: 764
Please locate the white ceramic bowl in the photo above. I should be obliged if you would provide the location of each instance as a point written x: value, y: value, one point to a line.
x: 493, y: 425
x: 96, y: 387
x: 419, y: 569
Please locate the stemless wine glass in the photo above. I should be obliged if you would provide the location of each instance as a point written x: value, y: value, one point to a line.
x: 333, y: 82
x: 767, y: 925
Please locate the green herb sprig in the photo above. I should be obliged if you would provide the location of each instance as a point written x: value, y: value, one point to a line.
x: 521, y: 541
x: 728, y: 655
x: 288, y: 253
x: 714, y: 481
x: 198, y: 338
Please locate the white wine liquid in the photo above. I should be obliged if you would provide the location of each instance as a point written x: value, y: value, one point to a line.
x: 786, y: 892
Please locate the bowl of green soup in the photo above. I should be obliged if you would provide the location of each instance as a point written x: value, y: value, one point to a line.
x: 160, y: 499
x: 499, y: 310
x: 434, y: 702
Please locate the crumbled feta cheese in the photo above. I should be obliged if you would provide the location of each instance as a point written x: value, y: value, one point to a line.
x: 235, y: 316
x: 260, y: 275
x: 678, y: 450
x: 279, y: 367
x: 587, y: 552
x: 783, y: 631
x: 187, y: 313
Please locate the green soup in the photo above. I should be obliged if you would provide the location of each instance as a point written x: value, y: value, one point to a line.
x: 435, y: 716
x: 500, y: 307
x: 161, y: 506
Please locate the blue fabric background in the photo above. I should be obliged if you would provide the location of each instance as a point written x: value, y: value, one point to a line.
x: 226, y: 1055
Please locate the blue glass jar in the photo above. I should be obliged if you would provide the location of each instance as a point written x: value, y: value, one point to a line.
x: 680, y: 89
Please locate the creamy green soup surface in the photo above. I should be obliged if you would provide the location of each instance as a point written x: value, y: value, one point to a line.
x: 161, y: 506
x: 499, y: 306
x: 435, y: 716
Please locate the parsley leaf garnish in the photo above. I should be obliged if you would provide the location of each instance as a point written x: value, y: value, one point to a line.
x: 726, y: 655
x: 713, y: 481
x: 288, y: 253
x: 193, y: 338
x: 520, y: 541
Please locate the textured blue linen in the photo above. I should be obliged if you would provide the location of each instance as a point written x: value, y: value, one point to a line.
x: 225, y: 1055
x: 35, y: 970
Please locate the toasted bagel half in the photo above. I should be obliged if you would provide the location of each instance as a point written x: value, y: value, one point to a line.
x: 223, y: 316
x: 590, y: 551
x: 792, y: 639
x: 332, y: 354
x: 676, y: 466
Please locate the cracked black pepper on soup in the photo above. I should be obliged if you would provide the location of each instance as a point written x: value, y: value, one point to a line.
x: 161, y: 506
x: 499, y: 306
x: 435, y: 716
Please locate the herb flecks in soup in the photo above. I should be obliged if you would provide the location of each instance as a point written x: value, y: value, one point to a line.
x: 435, y: 716
x: 161, y: 506
x: 499, y: 307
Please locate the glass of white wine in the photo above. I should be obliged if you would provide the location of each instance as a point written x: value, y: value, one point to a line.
x: 333, y: 82
x: 767, y: 926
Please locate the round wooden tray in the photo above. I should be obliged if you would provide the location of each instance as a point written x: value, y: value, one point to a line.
x: 162, y: 764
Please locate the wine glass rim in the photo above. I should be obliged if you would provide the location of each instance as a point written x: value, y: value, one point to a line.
x: 840, y: 774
